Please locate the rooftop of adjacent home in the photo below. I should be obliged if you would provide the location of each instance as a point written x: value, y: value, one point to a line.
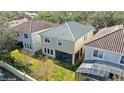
x: 30, y: 13
x: 30, y: 26
x: 109, y: 39
x: 17, y: 22
x: 71, y: 31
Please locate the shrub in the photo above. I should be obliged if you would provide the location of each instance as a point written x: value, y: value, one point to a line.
x: 38, y: 54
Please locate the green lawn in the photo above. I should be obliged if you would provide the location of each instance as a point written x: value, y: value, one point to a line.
x: 41, y: 69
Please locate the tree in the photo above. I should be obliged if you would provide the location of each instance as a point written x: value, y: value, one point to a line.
x: 6, y: 35
x: 45, y: 67
x: 13, y: 15
x: 99, y: 19
x: 42, y: 70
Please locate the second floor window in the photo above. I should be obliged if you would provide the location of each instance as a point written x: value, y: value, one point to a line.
x: 122, y: 60
x: 98, y: 53
x: 59, y: 43
x: 17, y: 34
x: 47, y: 40
x: 25, y: 35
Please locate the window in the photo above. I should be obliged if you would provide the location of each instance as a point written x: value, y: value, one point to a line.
x: 95, y: 53
x: 85, y: 37
x: 25, y: 35
x: 30, y: 46
x: 60, y: 43
x: 95, y: 70
x: 98, y: 54
x: 122, y: 60
x: 51, y: 52
x: 45, y: 50
x: 48, y: 51
x: 47, y: 40
x: 17, y: 34
x: 101, y: 72
x: 25, y: 45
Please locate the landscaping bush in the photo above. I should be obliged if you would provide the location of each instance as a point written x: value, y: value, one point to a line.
x: 38, y: 54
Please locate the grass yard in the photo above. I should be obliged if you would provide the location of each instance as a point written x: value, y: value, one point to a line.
x: 44, y: 69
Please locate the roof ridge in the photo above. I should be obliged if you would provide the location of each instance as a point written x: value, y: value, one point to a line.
x: 107, y: 28
x: 70, y: 30
x: 51, y: 28
x: 104, y: 36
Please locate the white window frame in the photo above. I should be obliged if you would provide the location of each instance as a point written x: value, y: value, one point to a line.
x: 121, y: 59
x: 30, y: 46
x: 45, y: 50
x: 58, y: 42
x: 98, y: 53
x: 49, y: 51
x: 49, y: 39
x: 25, y: 45
x: 27, y: 36
x: 17, y: 34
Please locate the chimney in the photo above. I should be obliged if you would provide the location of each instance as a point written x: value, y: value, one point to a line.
x: 30, y: 25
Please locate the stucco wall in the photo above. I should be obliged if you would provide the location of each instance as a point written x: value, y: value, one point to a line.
x: 16, y: 72
x: 107, y: 55
x: 33, y: 39
x: 68, y: 46
x: 89, y: 37
x: 80, y: 42
x: 25, y: 40
x: 36, y: 41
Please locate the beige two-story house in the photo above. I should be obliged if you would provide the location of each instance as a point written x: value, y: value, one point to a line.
x: 65, y: 42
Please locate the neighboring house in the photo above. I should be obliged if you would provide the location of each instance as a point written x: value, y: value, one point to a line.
x: 104, y: 56
x: 27, y: 33
x: 17, y: 22
x: 31, y: 13
x: 65, y: 42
